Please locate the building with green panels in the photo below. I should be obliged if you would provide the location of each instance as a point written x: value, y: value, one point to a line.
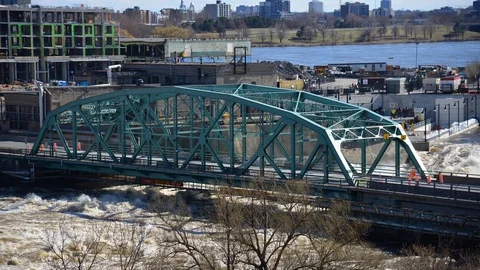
x: 56, y: 43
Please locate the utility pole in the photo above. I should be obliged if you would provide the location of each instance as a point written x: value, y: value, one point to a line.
x: 425, y: 123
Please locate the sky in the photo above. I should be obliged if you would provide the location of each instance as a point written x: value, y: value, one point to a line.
x: 296, y: 5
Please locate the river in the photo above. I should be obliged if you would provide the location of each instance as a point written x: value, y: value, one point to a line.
x: 451, y: 54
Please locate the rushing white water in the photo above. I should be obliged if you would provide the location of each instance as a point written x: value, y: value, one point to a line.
x: 458, y: 154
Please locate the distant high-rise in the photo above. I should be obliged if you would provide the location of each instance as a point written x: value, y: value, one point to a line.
x: 315, y: 7
x: 218, y: 10
x: 359, y: 9
x: 275, y: 9
x: 476, y: 5
x: 386, y: 4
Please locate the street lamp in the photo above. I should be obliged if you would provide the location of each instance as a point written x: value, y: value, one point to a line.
x: 337, y: 95
x: 349, y: 97
x: 425, y: 123
x: 416, y: 54
x: 467, y: 102
x: 458, y: 113
x: 438, y: 113
x: 449, y: 129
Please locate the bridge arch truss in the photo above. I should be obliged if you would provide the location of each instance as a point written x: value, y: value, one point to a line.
x: 235, y: 131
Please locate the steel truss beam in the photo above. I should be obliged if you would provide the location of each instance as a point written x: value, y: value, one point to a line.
x: 232, y: 130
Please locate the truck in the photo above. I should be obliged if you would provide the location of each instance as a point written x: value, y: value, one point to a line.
x: 450, y: 84
x: 431, y: 85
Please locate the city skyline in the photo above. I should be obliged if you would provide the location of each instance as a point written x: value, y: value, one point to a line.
x: 296, y: 5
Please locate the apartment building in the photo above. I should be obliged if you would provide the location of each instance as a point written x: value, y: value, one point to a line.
x: 275, y: 9
x: 56, y: 43
x: 315, y: 6
x: 218, y: 10
x: 357, y: 8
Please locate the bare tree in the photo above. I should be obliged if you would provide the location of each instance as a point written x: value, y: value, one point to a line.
x: 310, y: 33
x: 188, y: 249
x: 323, y: 31
x: 271, y: 33
x: 430, y: 257
x: 132, y: 25
x: 415, y: 32
x: 395, y: 31
x: 281, y: 29
x: 383, y: 24
x: 74, y: 247
x: 243, y: 31
x: 266, y: 226
x: 272, y: 222
x: 372, y: 25
x: 129, y: 245
x: 334, y: 36
x: 430, y: 29
x: 333, y: 236
x: 263, y: 35
x: 407, y: 29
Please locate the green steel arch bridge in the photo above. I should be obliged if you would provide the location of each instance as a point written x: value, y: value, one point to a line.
x: 219, y: 132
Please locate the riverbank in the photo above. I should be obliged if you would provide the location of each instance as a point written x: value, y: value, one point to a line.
x: 354, y: 36
x: 377, y: 42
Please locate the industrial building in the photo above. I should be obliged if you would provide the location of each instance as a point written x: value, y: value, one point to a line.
x: 183, y: 50
x: 56, y: 43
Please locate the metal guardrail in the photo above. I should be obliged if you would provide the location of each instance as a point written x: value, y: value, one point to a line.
x: 455, y: 128
x: 422, y: 123
x: 384, y: 174
x: 434, y: 190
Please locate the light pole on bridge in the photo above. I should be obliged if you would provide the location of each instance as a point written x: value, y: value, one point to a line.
x: 449, y: 127
x: 458, y: 113
x: 438, y: 118
x: 425, y: 124
x: 416, y: 54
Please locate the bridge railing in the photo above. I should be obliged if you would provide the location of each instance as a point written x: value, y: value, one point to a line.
x: 385, y: 173
x: 436, y: 190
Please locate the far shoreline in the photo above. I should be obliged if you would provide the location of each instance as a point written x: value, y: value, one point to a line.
x: 319, y: 44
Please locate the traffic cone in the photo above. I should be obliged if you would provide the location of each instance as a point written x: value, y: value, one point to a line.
x: 412, y: 175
